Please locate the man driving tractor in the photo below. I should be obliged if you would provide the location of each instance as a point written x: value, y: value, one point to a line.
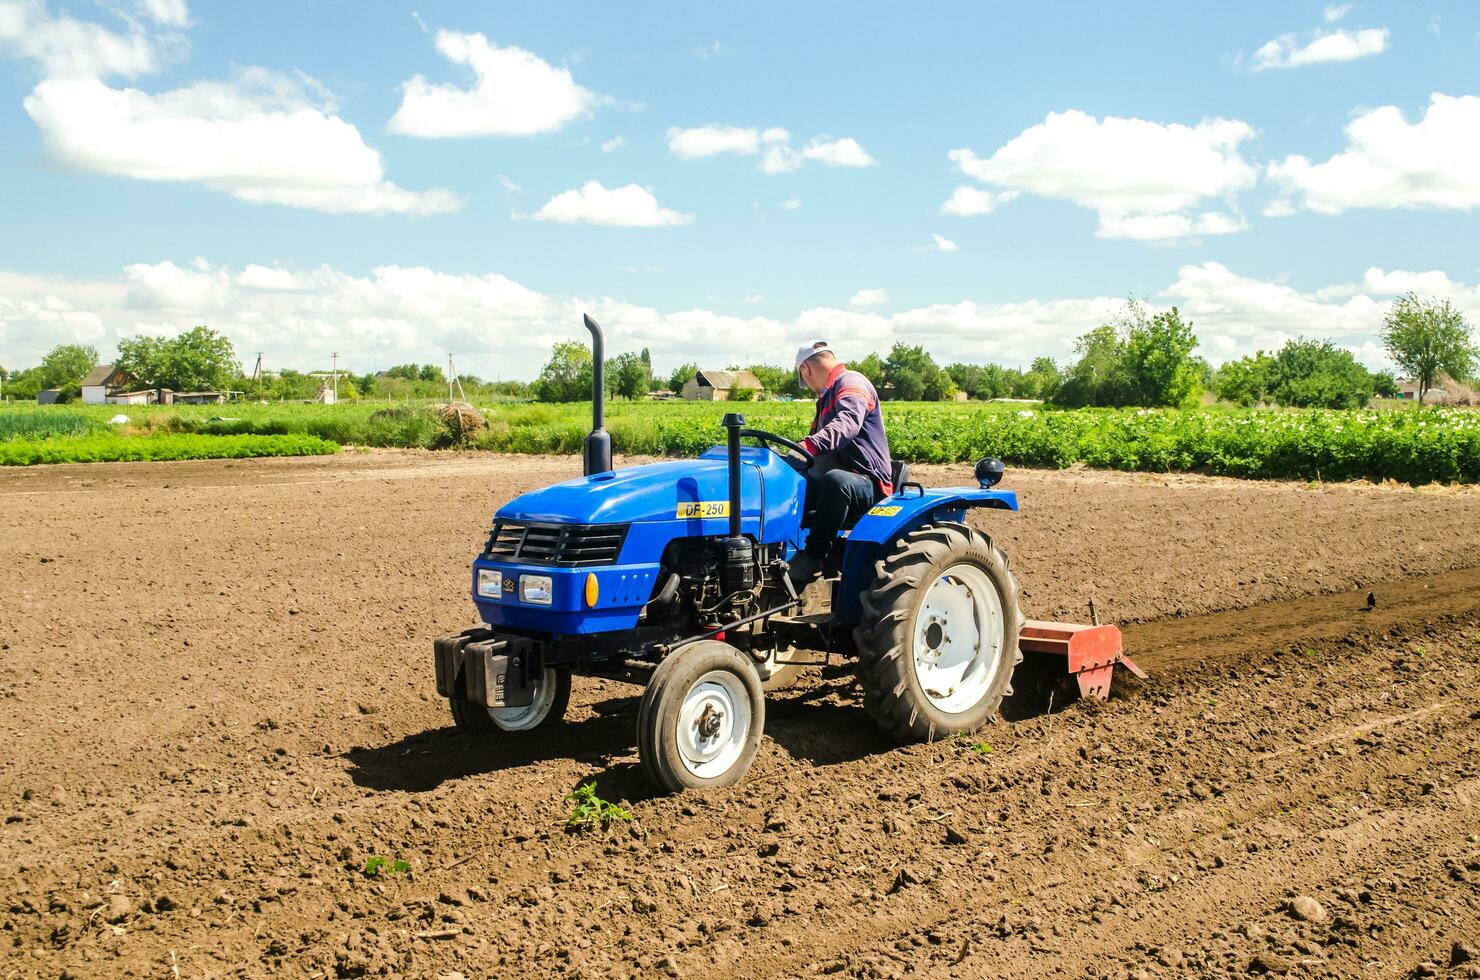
x: 852, y: 471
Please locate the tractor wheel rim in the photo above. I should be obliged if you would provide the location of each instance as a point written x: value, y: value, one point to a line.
x: 713, y: 724
x: 523, y: 719
x: 958, y: 637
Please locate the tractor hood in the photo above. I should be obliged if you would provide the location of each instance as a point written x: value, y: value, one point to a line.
x: 693, y: 492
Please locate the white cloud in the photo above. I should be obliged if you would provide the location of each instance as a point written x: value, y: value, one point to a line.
x: 1392, y: 163
x: 845, y: 152
x: 632, y: 206
x: 514, y: 93
x: 779, y: 155
x: 792, y: 203
x: 168, y: 13
x: 1127, y: 170
x: 715, y: 139
x: 866, y: 298
x: 614, y: 144
x: 497, y: 327
x: 943, y: 244
x: 1333, y: 12
x: 262, y: 138
x: 755, y: 298
x: 64, y: 47
x: 1288, y: 51
x: 968, y: 201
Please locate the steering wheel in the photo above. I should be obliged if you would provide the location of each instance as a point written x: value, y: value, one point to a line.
x: 775, y: 440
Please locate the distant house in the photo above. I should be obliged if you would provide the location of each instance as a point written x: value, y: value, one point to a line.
x: 146, y: 396
x: 198, y: 398
x: 1408, y: 391
x: 715, y: 386
x: 102, y: 381
x: 659, y: 395
x: 48, y: 396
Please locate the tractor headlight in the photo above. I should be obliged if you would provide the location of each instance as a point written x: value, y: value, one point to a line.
x: 537, y: 589
x: 490, y: 583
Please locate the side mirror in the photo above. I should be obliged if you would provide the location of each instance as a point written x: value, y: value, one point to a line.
x: 989, y: 472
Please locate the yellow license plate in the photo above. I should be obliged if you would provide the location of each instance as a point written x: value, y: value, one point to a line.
x: 885, y: 511
x: 700, y: 509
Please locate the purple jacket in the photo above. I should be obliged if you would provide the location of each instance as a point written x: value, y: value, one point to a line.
x: 849, y: 428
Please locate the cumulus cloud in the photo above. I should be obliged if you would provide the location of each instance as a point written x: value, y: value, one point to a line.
x: 513, y: 93
x: 632, y: 206
x: 614, y: 144
x: 64, y: 47
x: 1334, y: 12
x: 968, y: 201
x: 1144, y: 179
x: 707, y: 141
x: 498, y: 327
x: 866, y: 298
x: 263, y: 137
x: 1290, y: 51
x: 167, y: 13
x: 1391, y: 163
x: 943, y: 244
x: 779, y: 155
x: 792, y: 203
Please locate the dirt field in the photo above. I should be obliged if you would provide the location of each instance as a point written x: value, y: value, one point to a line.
x: 216, y: 702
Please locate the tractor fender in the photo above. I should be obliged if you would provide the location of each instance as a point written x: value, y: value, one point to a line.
x: 894, y: 517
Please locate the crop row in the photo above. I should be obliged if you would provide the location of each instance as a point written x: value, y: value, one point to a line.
x: 1415, y: 446
x: 114, y: 449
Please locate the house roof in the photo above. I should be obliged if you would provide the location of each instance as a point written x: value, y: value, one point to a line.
x: 101, y: 375
x: 729, y: 379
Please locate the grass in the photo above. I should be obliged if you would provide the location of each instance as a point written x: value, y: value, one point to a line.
x: 591, y: 811
x: 1411, y: 445
x: 114, y: 449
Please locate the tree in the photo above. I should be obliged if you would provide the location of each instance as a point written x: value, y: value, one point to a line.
x: 681, y: 376
x: 969, y: 378
x: 200, y: 359
x: 871, y: 367
x: 776, y: 380
x: 1245, y: 381
x: 67, y: 364
x: 915, y: 375
x: 566, y: 377
x: 1317, y: 374
x: 1427, y: 338
x: 628, y: 376
x: 1135, y: 359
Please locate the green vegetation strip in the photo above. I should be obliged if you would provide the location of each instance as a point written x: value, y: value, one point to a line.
x: 1407, y: 444
x: 113, y: 449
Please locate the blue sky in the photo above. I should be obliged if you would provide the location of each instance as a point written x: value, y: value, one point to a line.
x: 278, y: 171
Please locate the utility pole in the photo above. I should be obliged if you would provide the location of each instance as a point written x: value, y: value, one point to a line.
x: 334, y: 372
x: 450, y: 376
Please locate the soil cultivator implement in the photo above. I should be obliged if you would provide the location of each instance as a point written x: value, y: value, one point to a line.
x: 676, y: 572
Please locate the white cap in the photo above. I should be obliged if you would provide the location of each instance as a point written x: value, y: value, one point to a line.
x: 809, y: 351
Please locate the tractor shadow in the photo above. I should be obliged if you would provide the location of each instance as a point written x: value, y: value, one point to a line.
x: 423, y: 761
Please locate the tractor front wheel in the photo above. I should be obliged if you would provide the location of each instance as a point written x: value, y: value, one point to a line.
x: 551, y: 697
x: 701, y: 718
x: 938, y: 640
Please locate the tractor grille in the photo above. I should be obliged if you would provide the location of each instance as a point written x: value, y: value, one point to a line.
x: 538, y: 543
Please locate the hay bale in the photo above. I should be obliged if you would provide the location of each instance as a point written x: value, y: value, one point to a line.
x: 462, y: 421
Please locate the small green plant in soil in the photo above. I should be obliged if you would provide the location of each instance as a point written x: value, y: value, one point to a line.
x: 377, y: 866
x: 982, y: 748
x: 590, y: 810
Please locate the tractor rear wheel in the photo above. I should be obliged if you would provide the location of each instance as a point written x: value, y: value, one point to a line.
x: 938, y: 640
x: 701, y: 718
x: 551, y: 697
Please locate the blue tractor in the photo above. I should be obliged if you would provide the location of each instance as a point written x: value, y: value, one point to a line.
x: 677, y: 571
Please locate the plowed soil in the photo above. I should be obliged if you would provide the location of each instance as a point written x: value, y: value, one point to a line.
x: 216, y: 702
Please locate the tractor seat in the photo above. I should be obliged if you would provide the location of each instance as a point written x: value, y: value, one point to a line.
x: 899, y: 473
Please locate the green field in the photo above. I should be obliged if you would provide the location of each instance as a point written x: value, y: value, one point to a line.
x: 1411, y: 445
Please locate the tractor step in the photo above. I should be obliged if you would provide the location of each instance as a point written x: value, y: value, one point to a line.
x: 1090, y: 652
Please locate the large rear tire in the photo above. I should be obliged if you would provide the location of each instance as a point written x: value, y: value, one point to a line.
x: 551, y: 698
x: 701, y: 718
x: 938, y: 640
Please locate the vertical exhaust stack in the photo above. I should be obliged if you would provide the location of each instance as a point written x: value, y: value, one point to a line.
x: 597, y: 453
x: 737, y: 572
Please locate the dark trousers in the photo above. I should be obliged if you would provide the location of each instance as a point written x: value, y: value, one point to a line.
x: 838, y: 499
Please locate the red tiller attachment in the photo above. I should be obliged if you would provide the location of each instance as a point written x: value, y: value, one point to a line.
x: 1090, y: 652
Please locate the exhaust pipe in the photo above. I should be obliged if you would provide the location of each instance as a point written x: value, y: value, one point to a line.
x: 737, y: 572
x: 597, y: 452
